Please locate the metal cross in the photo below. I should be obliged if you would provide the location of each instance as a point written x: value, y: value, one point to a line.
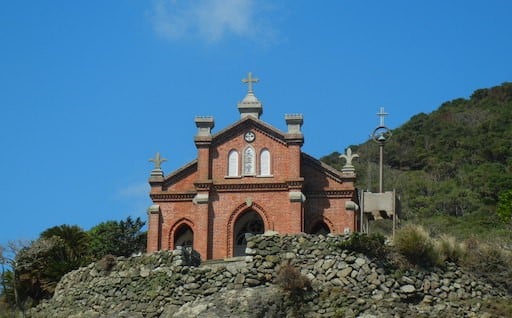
x: 249, y: 80
x: 157, y: 160
x: 382, y: 114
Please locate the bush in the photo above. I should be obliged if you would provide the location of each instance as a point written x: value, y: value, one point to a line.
x: 371, y: 245
x: 291, y: 280
x: 490, y: 262
x: 498, y: 307
x: 414, y: 242
x: 107, y: 262
x: 296, y: 287
x: 449, y: 249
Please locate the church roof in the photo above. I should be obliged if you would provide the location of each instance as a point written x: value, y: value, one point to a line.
x: 329, y: 171
x: 180, y: 173
x: 244, y: 123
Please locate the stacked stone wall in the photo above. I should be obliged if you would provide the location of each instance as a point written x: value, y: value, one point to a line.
x: 343, y: 284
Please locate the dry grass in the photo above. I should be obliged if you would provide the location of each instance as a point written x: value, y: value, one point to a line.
x: 107, y: 262
x: 414, y: 242
x: 291, y: 280
x: 449, y: 249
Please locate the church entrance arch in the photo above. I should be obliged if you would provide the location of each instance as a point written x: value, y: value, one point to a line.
x: 320, y: 228
x: 184, y: 236
x: 247, y: 224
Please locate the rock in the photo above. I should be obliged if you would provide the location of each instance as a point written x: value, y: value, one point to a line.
x: 407, y: 280
x: 345, y: 272
x: 250, y: 251
x: 239, y: 279
x: 408, y: 289
x: 360, y: 261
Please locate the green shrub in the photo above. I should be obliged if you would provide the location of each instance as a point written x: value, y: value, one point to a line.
x: 414, y: 242
x: 371, y: 245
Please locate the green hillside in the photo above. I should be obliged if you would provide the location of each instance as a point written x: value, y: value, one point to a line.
x: 449, y: 166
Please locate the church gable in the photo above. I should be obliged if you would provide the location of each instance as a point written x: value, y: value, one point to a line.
x: 244, y: 125
x: 249, y: 148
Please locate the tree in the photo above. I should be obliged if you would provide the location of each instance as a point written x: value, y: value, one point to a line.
x: 39, y: 268
x: 31, y: 271
x: 122, y: 238
x: 7, y: 296
x: 10, y: 295
x: 504, y: 208
x: 76, y: 242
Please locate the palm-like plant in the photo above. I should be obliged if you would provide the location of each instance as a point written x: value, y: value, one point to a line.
x: 76, y: 242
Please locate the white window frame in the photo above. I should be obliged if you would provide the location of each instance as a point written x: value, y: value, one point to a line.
x: 233, y: 163
x: 265, y: 162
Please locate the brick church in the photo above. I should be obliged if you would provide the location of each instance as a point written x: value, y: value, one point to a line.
x: 248, y: 178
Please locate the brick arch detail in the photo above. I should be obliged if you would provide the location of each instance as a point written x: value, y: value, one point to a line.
x: 242, y: 208
x: 176, y: 226
x: 323, y: 219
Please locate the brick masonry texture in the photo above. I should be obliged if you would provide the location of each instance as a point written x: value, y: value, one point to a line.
x: 202, y: 198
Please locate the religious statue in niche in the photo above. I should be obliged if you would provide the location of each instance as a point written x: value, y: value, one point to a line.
x: 249, y: 161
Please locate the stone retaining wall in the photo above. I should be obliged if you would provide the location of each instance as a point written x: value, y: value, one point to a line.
x: 344, y: 284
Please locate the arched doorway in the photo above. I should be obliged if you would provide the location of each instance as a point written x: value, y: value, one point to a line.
x: 184, y: 236
x: 247, y: 224
x: 320, y: 228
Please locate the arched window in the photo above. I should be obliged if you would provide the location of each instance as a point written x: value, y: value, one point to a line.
x: 265, y: 163
x: 233, y: 163
x: 247, y: 224
x: 249, y: 161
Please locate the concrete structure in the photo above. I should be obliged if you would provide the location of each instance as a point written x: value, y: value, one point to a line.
x: 248, y: 178
x: 377, y: 206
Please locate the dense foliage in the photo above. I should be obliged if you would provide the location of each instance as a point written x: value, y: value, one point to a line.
x: 31, y: 271
x: 122, y: 238
x: 453, y: 162
x: 504, y: 208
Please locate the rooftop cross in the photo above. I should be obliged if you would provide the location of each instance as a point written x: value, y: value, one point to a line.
x: 382, y: 114
x: 249, y: 80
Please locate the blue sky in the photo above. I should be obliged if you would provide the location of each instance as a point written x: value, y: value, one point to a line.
x: 90, y: 90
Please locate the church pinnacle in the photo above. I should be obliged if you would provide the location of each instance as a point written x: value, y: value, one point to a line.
x: 250, y: 105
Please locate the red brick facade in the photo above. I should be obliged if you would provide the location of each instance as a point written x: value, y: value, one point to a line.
x: 274, y: 186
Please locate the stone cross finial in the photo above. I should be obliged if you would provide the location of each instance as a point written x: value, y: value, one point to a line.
x: 382, y: 114
x: 249, y: 80
x: 158, y: 161
x: 348, y: 167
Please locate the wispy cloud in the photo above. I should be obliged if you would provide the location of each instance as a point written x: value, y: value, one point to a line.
x: 210, y: 20
x: 134, y: 199
x: 134, y: 191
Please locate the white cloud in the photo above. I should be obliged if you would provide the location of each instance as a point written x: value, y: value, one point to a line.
x: 211, y: 20
x: 140, y: 190
x: 134, y: 199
